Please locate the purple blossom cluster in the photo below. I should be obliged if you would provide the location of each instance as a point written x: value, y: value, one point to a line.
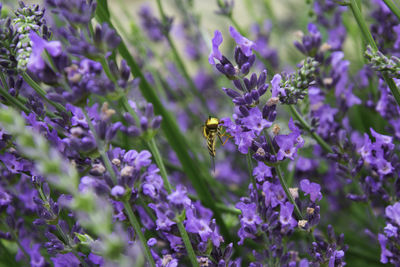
x: 103, y: 161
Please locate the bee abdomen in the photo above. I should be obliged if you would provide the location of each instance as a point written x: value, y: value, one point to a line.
x: 211, y: 146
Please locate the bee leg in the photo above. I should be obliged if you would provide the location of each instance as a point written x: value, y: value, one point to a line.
x: 226, y: 140
x: 220, y: 135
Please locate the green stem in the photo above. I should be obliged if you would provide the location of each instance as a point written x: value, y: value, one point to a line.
x: 269, y: 11
x: 157, y: 157
x: 224, y: 208
x: 129, y: 109
x: 107, y: 70
x: 250, y: 169
x: 362, y: 25
x: 4, y: 92
x: 308, y: 128
x: 395, y: 10
x: 283, y: 182
x: 136, y: 226
x: 287, y: 192
x: 67, y: 241
x: 41, y: 92
x: 101, y: 148
x: 14, y: 101
x: 236, y: 25
x: 3, y: 81
x: 370, y: 40
x: 179, y: 60
x: 220, y: 206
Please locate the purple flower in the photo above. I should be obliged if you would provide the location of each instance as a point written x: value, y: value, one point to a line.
x: 249, y: 221
x: 153, y: 183
x: 216, y: 42
x: 336, y: 37
x: 179, y: 197
x: 276, y: 86
x: 245, y: 44
x: 382, y: 139
x: 285, y: 216
x: 62, y: 260
x: 385, y: 253
x: 393, y: 212
x: 337, y: 255
x: 5, y: 198
x: 151, y: 242
x: 199, y: 221
x: 164, y: 216
x: 37, y: 259
x: 174, y: 241
x: 365, y: 149
x: 243, y: 139
x: 118, y: 211
x: 384, y: 167
x: 274, y: 194
x: 11, y: 162
x: 255, y: 122
x: 36, y: 62
x: 305, y: 164
x: 390, y: 230
x: 312, y: 189
x: 117, y: 191
x: 396, y: 45
x: 138, y: 160
x: 261, y: 172
x: 296, y: 132
x: 96, y: 259
x: 303, y: 263
x: 287, y: 146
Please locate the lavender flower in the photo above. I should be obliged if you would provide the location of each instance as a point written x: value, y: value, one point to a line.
x: 216, y: 42
x: 312, y: 189
x: 36, y: 62
x: 245, y: 44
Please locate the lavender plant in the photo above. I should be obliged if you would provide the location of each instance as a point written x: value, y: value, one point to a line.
x: 104, y: 163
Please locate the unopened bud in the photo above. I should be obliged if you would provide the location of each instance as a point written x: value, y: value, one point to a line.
x: 294, y: 191
x: 76, y: 131
x: 127, y: 171
x: 116, y: 162
x: 272, y: 101
x: 310, y: 211
x: 106, y: 112
x: 260, y: 151
x: 328, y: 81
x: 276, y: 129
x: 298, y: 34
x: 98, y: 168
x: 325, y: 47
x: 302, y: 224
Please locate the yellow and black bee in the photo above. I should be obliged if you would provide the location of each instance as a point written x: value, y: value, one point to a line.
x: 212, y: 129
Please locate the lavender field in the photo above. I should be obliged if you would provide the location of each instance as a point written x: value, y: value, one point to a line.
x: 214, y: 133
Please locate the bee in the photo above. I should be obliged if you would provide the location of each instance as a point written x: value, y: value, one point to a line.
x: 212, y: 129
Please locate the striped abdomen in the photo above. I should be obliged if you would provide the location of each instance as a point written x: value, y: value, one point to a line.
x: 211, y: 140
x: 210, y: 135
